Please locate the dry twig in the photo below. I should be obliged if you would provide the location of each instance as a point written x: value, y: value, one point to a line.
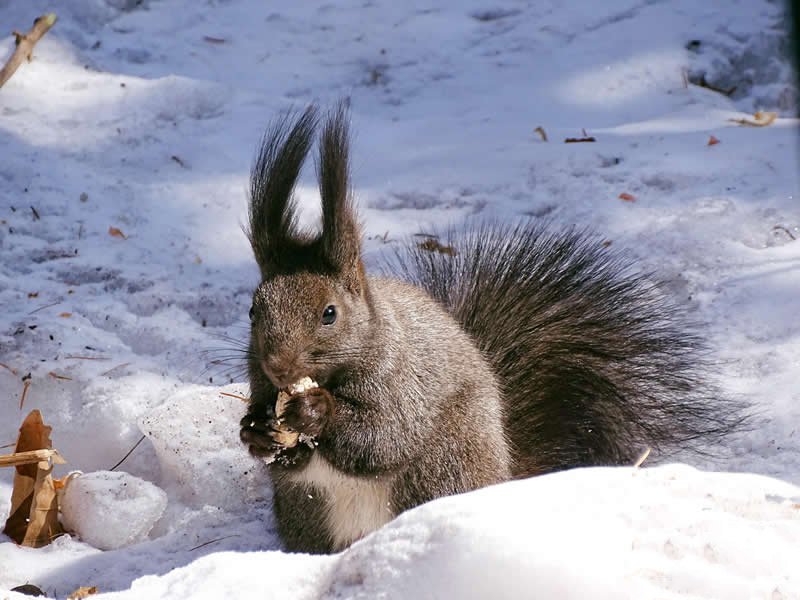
x: 641, y: 459
x: 224, y: 537
x: 122, y: 460
x: 55, y: 375
x: 25, y: 43
x: 29, y: 457
x: 12, y: 369
x: 112, y: 369
x: 26, y: 383
x: 760, y: 119
x: 776, y: 228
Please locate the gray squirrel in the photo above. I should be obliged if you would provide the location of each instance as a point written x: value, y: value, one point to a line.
x: 512, y: 351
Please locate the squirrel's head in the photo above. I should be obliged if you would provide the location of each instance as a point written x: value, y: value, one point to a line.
x: 310, y: 314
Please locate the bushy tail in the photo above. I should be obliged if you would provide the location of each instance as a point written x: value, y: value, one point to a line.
x: 596, y: 364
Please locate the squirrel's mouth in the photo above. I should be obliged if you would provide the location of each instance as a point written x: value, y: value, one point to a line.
x: 282, y: 375
x: 279, y: 377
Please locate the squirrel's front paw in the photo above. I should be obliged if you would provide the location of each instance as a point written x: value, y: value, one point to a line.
x: 259, y: 436
x: 308, y: 412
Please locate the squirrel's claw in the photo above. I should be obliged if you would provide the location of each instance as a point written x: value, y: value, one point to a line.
x: 258, y: 436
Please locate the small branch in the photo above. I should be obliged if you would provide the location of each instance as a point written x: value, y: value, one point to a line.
x: 31, y: 456
x: 25, y: 44
x: 55, y: 375
x: 12, y: 369
x: 112, y: 369
x: 642, y: 458
x: 122, y: 460
x: 203, y: 545
x: 26, y: 383
x: 237, y: 396
x: 776, y: 228
x: 43, y: 307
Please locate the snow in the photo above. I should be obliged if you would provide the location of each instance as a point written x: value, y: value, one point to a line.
x: 134, y: 115
x: 665, y: 532
x: 109, y: 509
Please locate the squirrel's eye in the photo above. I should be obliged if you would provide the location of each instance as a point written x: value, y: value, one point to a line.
x: 329, y: 315
x: 252, y: 313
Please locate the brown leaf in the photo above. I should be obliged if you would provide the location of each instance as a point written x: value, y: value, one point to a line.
x: 214, y: 40
x: 33, y: 519
x: 627, y: 197
x: 28, y: 589
x: 579, y: 140
x: 542, y: 133
x: 33, y: 294
x: 82, y: 592
x: 65, y: 315
x: 712, y: 141
x: 114, y: 232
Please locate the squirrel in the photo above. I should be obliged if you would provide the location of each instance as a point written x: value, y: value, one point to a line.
x: 513, y: 351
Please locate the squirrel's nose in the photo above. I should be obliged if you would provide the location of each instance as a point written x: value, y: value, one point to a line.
x: 282, y: 373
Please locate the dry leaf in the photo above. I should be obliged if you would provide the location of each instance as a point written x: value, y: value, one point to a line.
x: 114, y: 232
x: 213, y: 40
x: 28, y: 589
x: 712, y: 141
x: 627, y: 197
x: 701, y: 82
x: 33, y: 294
x: 65, y: 315
x: 432, y: 245
x: 33, y: 519
x: 82, y: 592
x: 761, y: 119
x: 578, y: 140
x: 540, y: 130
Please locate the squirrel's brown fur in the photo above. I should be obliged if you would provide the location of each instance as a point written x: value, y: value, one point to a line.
x: 522, y: 352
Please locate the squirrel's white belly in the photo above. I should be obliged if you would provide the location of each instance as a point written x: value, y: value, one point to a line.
x: 356, y: 505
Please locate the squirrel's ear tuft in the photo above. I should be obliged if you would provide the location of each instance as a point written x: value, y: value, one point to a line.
x: 272, y: 227
x: 341, y: 236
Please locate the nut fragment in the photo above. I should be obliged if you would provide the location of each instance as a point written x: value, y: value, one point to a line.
x: 301, y: 385
x: 285, y: 436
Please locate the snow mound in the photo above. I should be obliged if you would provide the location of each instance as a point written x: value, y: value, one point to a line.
x: 666, y: 532
x: 195, y: 435
x: 111, y: 509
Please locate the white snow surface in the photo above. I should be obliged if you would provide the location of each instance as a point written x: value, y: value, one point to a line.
x: 144, y: 116
x: 110, y: 509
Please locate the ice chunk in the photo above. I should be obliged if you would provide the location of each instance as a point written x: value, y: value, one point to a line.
x: 111, y: 509
x: 195, y: 434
